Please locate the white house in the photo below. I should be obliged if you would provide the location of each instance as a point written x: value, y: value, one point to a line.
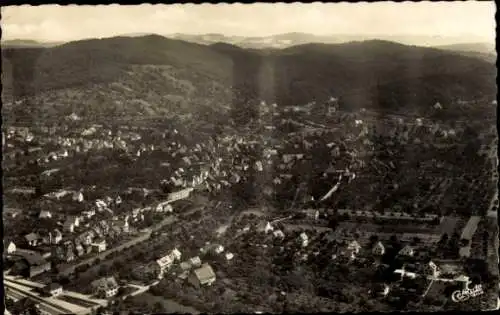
x: 99, y: 245
x: 354, y: 247
x: 407, y: 251
x: 176, y: 254
x: 304, y: 239
x: 44, y: 214
x: 11, y: 247
x: 229, y: 256
x: 378, y: 249
x: 78, y: 196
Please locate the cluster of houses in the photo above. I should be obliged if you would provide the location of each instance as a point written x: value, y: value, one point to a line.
x: 83, y: 234
x: 192, y: 269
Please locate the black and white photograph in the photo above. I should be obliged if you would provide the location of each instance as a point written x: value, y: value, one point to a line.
x: 249, y: 158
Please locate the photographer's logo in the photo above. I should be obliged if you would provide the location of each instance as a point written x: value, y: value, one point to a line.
x: 465, y: 294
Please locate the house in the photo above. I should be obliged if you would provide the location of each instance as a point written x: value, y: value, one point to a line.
x: 162, y: 264
x: 195, y: 261
x: 69, y: 254
x: 431, y: 269
x: 88, y: 213
x: 380, y: 289
x: 378, y: 249
x: 123, y: 225
x: 87, y: 237
x: 311, y: 214
x: 70, y: 224
x: 44, y: 214
x: 202, y: 276
x: 354, y: 247
x: 97, y: 231
x: 264, y: 227
x: 32, y: 264
x: 99, y: 245
x: 185, y: 266
x: 10, y: 248
x: 164, y: 207
x: 229, y: 256
x: 182, y: 194
x: 176, y: 254
x: 79, y: 249
x: 407, y: 251
x: 33, y: 239
x: 56, y: 237
x: 303, y: 239
x: 53, y: 289
x: 105, y: 287
x: 78, y: 196
x: 213, y: 249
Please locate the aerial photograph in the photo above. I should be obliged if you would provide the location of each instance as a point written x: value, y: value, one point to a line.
x: 249, y: 158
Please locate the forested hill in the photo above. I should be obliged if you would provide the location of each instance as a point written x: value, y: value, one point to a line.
x: 153, y: 75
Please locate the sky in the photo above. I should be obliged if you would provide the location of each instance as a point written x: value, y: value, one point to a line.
x: 471, y: 20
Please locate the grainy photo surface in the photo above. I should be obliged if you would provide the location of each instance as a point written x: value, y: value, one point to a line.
x: 249, y: 158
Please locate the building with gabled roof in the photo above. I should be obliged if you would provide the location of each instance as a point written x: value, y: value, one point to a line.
x: 105, y: 287
x: 202, y: 276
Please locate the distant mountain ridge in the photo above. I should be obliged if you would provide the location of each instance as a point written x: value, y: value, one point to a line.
x: 27, y: 43
x: 154, y: 75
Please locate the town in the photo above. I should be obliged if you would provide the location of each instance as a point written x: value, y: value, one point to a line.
x: 399, y: 211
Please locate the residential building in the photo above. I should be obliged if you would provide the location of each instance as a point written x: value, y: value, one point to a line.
x: 11, y: 247
x: 407, y: 251
x: 202, y: 276
x: 354, y: 247
x: 88, y: 213
x: 99, y: 245
x: 164, y: 263
x: 105, y: 287
x: 431, y: 269
x: 213, y: 249
x: 123, y: 225
x: 176, y: 254
x: 31, y: 264
x: 79, y: 250
x: 69, y: 253
x: 182, y: 194
x: 303, y: 239
x: 44, y: 214
x: 164, y: 207
x: 33, y: 239
x: 264, y: 227
x: 378, y: 249
x: 311, y: 214
x: 70, y: 224
x: 56, y: 237
x: 195, y: 261
x: 78, y: 196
